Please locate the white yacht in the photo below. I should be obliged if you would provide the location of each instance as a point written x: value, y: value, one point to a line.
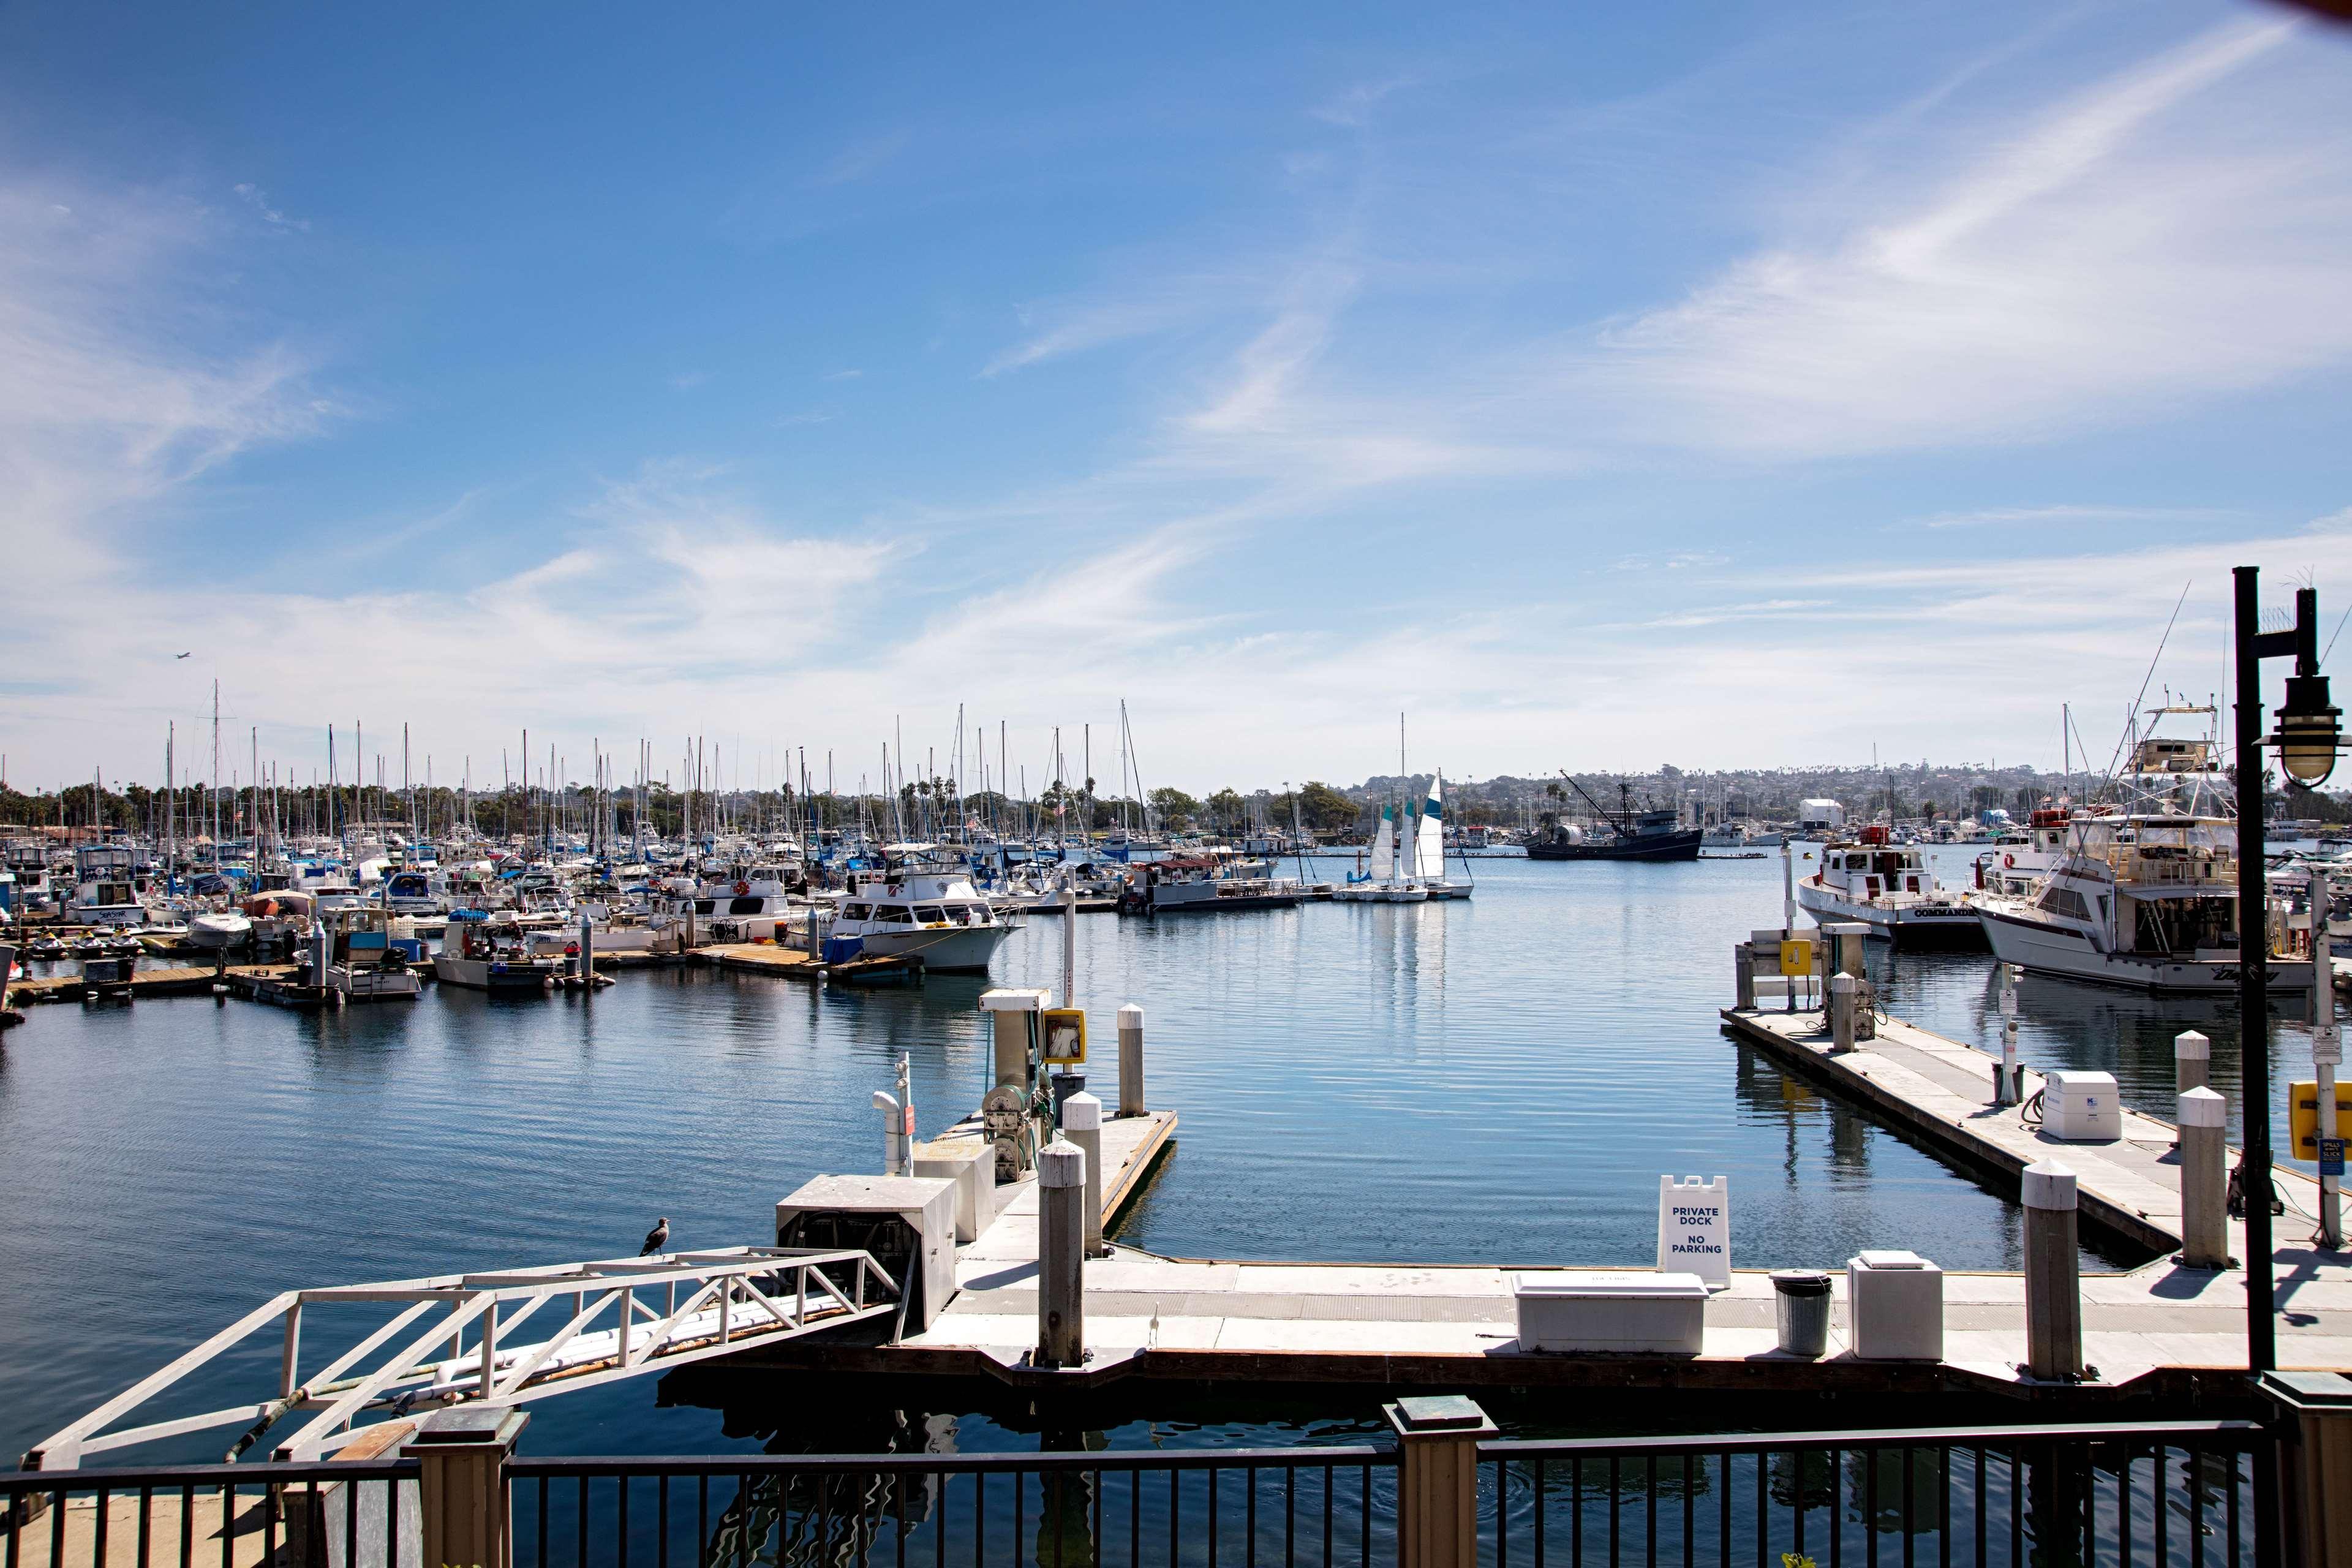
x: 1891, y: 889
x: 2148, y: 901
x: 745, y: 902
x: 931, y: 913
x: 220, y: 929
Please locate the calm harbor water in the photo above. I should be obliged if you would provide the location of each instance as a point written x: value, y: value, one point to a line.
x: 1498, y: 1081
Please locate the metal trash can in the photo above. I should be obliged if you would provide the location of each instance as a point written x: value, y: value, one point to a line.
x: 1801, y: 1308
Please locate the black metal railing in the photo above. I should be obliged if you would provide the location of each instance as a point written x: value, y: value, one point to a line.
x: 2156, y: 1493
x: 343, y: 1514
x: 2188, y: 1493
x: 1222, y: 1507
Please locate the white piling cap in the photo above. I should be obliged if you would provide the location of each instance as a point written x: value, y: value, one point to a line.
x: 1130, y: 1016
x: 2202, y: 1108
x: 1843, y: 984
x: 2047, y: 1185
x: 1082, y: 1112
x: 1061, y: 1163
x: 2190, y: 1045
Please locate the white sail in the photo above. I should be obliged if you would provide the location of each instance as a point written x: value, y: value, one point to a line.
x: 1383, y: 867
x: 1429, y: 842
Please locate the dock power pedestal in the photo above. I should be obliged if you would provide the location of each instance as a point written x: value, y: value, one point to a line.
x: 906, y: 1224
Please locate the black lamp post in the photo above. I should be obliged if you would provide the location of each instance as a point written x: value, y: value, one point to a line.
x: 2308, y: 738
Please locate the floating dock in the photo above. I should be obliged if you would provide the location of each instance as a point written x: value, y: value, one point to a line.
x: 2162, y: 1329
x: 794, y: 964
x: 240, y: 978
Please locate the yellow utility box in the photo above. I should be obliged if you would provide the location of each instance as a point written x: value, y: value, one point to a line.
x: 2302, y: 1118
x: 1066, y: 1037
x: 1796, y: 957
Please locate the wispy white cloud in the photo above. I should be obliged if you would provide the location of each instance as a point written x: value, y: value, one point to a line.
x: 2144, y: 246
x: 254, y: 197
x: 2036, y: 516
x: 113, y: 389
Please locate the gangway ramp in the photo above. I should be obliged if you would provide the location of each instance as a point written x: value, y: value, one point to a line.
x: 452, y: 1339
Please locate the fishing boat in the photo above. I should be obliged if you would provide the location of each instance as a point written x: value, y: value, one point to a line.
x: 363, y: 964
x: 1622, y: 833
x: 1891, y: 889
x: 106, y: 890
x: 489, y: 951
x: 926, y: 912
x: 1201, y: 884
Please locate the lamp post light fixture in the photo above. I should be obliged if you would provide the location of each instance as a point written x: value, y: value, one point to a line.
x: 2307, y: 739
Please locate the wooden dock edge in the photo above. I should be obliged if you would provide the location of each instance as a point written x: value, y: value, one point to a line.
x: 1953, y: 1142
x: 1136, y: 1173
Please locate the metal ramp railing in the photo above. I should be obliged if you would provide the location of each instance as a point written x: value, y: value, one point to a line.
x: 628, y: 1316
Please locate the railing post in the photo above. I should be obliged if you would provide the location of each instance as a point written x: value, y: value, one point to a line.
x: 1061, y: 1254
x: 1130, y: 1060
x: 1437, y: 1479
x: 462, y: 1456
x: 1743, y: 977
x: 2316, y: 1463
x: 2053, y: 1286
x: 2204, y: 1181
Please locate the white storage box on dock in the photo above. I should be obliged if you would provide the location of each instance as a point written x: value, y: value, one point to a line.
x: 907, y: 1222
x: 970, y: 1164
x: 1894, y: 1302
x: 1628, y: 1312
x: 2081, y: 1107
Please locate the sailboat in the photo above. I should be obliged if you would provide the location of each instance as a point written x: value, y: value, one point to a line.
x: 1429, y: 845
x: 1382, y: 882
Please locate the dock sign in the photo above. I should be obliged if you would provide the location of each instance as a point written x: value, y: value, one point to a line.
x: 1694, y: 1229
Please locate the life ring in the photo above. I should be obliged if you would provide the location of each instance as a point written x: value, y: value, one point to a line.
x: 2009, y: 861
x: 741, y: 889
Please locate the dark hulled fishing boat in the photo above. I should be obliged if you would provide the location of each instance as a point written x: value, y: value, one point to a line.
x: 1623, y: 834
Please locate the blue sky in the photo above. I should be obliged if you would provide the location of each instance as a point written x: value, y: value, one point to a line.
x: 1717, y: 385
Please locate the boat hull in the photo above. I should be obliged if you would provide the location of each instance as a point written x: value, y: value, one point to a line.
x: 498, y: 976
x: 956, y: 949
x: 1664, y: 846
x: 370, y: 983
x: 1943, y: 925
x: 2044, y: 948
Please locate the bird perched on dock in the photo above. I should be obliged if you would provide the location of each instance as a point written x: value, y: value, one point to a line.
x: 655, y: 1238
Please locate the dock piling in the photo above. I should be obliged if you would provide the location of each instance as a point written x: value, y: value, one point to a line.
x: 1082, y: 1125
x: 1743, y: 981
x: 2053, y: 1286
x: 1130, y: 1060
x: 2192, y: 1061
x: 1061, y: 1254
x: 1845, y: 994
x: 2204, y: 1180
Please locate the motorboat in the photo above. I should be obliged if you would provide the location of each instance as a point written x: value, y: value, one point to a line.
x: 363, y: 964
x: 1193, y: 885
x: 220, y: 930
x: 1891, y: 889
x: 490, y: 951
x: 930, y: 913
x: 2149, y: 901
x: 106, y: 889
x: 745, y: 901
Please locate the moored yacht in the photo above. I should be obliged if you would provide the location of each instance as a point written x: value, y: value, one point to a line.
x: 930, y: 913
x: 1891, y: 889
x: 106, y: 890
x: 2148, y: 901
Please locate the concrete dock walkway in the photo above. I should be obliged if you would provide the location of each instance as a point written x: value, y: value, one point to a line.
x: 2158, y: 1329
